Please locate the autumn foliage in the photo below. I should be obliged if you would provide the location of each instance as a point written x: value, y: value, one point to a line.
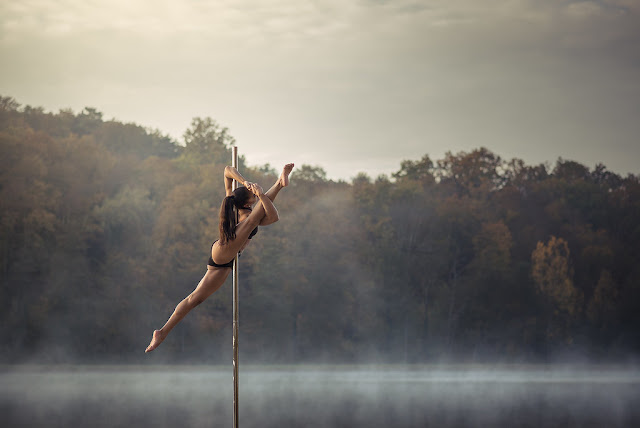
x: 105, y: 226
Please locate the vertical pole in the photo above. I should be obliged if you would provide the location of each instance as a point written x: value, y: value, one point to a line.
x: 234, y: 163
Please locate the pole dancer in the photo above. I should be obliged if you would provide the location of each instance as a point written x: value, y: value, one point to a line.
x: 234, y: 236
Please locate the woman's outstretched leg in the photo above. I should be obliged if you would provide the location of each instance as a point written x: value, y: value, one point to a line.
x: 210, y: 282
x: 283, y: 181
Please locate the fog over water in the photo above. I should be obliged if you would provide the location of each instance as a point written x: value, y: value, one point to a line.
x: 321, y: 396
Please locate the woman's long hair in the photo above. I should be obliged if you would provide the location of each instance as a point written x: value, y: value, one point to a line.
x: 228, y: 217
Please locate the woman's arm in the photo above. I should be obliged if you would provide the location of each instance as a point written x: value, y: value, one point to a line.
x: 270, y: 216
x: 270, y: 211
x: 264, y: 212
x: 230, y: 174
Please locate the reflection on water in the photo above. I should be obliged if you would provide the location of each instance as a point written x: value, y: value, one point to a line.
x: 324, y: 396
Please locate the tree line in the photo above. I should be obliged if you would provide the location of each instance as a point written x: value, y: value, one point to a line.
x: 105, y: 226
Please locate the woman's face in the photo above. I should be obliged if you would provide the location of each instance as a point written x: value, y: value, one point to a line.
x: 251, y: 201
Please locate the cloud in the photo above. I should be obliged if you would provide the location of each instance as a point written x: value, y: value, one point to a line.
x: 344, y: 84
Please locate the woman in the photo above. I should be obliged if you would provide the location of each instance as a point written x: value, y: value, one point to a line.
x: 234, y: 237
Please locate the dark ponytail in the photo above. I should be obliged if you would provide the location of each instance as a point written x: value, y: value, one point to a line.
x: 228, y: 220
x: 228, y: 216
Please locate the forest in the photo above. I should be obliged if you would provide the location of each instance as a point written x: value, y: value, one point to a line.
x: 105, y: 226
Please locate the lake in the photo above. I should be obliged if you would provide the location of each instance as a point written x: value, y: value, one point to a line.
x: 320, y: 396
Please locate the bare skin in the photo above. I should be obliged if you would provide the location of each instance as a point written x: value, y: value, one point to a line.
x: 283, y: 181
x: 284, y: 175
x: 263, y: 214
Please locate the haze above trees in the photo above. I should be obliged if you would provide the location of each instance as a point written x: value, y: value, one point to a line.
x: 106, y: 226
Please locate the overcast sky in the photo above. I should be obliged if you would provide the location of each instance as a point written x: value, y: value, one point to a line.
x: 347, y: 85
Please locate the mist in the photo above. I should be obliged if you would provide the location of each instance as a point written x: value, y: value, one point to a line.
x: 321, y: 396
x: 462, y: 291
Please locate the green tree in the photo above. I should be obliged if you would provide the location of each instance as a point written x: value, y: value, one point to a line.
x: 422, y: 170
x: 309, y: 173
x: 87, y: 121
x: 207, y: 142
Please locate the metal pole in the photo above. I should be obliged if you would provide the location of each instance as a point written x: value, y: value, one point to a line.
x: 234, y: 163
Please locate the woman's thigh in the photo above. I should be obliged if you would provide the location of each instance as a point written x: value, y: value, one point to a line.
x: 211, y: 281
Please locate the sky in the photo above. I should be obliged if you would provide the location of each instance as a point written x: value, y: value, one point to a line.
x: 351, y: 86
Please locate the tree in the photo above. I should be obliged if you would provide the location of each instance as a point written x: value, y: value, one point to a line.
x: 8, y: 104
x: 603, y: 305
x: 570, y: 170
x: 87, y: 121
x: 103, y: 232
x: 207, y: 142
x: 552, y: 272
x: 422, y: 170
x: 309, y: 173
x: 478, y: 172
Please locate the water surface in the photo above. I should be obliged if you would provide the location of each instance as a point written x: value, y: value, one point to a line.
x: 320, y: 396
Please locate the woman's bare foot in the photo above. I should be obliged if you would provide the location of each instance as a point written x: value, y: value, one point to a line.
x: 284, y: 176
x: 158, y: 337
